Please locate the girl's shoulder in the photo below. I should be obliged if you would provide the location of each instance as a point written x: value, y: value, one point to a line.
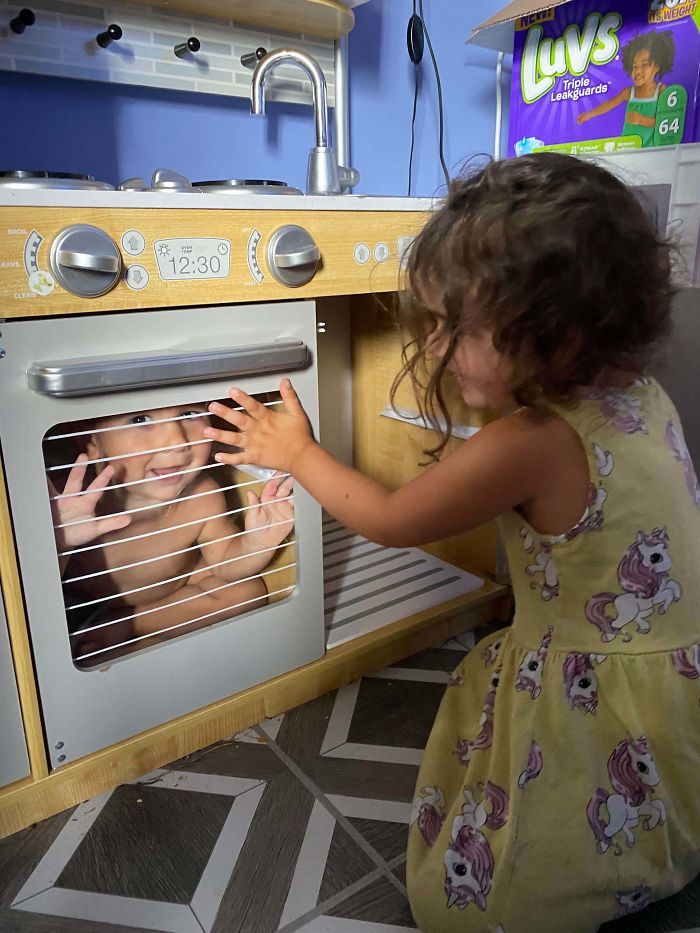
x: 539, y: 442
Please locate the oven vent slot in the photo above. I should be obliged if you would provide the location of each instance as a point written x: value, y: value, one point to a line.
x: 101, y: 374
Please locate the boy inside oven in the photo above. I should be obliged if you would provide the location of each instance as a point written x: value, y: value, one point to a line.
x: 150, y: 547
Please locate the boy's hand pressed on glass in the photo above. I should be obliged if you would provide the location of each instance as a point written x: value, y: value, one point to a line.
x: 271, y: 517
x: 507, y: 464
x: 80, y: 509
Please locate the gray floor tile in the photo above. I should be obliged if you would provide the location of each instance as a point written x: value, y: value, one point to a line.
x: 380, y: 902
x: 173, y: 856
x: 21, y: 853
x: 233, y: 758
x: 149, y: 842
x: 302, y: 731
x: 386, y: 837
x: 12, y: 921
x: 433, y: 659
x: 395, y: 712
x: 371, y: 779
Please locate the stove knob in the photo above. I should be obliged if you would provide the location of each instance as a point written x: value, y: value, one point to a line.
x: 292, y: 255
x: 85, y: 261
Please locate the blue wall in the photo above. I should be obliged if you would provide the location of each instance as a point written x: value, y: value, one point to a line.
x: 114, y: 131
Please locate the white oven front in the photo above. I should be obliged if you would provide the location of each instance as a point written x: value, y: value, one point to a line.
x: 156, y: 580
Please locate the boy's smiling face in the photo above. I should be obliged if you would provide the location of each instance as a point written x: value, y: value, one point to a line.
x: 176, y: 443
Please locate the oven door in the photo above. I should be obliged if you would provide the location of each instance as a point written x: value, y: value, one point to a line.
x: 156, y: 580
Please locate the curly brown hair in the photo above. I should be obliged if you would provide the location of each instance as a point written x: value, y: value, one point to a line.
x: 660, y: 46
x: 555, y: 257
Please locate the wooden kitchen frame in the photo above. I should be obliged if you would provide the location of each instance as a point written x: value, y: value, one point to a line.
x: 384, y: 448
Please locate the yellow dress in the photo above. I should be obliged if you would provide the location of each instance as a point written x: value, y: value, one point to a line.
x: 559, y: 787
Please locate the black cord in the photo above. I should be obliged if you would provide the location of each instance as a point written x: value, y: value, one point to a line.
x: 413, y: 122
x: 439, y: 92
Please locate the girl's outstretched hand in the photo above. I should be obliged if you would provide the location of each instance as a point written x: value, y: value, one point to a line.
x: 269, y: 438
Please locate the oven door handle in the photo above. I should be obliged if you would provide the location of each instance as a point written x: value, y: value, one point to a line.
x: 101, y: 374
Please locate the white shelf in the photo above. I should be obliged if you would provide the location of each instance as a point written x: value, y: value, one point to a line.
x: 677, y: 168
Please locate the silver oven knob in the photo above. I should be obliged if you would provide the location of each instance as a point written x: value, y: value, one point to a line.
x: 292, y: 255
x: 85, y: 260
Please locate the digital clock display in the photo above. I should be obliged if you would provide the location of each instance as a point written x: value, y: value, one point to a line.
x: 187, y: 258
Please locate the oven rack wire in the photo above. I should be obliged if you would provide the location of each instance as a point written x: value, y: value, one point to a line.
x: 122, y: 427
x: 168, y: 502
x: 181, y: 576
x: 129, y: 456
x: 160, y: 531
x: 184, y: 550
x: 179, y: 602
x: 171, y: 628
x: 140, y: 482
x: 155, y: 479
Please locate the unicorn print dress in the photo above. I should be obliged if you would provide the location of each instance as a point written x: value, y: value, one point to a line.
x: 559, y: 787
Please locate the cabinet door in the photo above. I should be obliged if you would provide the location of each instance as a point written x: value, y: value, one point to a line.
x: 14, y: 763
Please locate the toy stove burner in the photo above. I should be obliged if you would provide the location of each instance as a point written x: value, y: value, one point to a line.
x: 66, y: 181
x: 246, y: 186
x: 166, y: 180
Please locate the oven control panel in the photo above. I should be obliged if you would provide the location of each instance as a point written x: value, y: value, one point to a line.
x: 113, y: 259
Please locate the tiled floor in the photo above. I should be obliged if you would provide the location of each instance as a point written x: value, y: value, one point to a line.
x: 299, y: 824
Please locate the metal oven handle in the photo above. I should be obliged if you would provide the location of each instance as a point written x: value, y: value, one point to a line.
x: 101, y: 374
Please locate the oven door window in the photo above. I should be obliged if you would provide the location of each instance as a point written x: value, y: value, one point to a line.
x: 154, y: 538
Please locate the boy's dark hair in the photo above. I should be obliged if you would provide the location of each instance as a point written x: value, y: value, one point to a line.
x: 556, y: 258
x: 660, y: 46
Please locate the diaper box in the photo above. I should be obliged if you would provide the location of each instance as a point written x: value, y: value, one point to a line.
x: 604, y: 76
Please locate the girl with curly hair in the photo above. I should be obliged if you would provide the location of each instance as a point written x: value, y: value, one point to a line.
x: 646, y: 58
x: 540, y: 289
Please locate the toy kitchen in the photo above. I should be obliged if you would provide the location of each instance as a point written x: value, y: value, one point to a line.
x: 125, y: 311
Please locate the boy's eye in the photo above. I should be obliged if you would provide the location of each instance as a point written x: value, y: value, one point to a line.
x: 140, y: 419
x: 193, y: 411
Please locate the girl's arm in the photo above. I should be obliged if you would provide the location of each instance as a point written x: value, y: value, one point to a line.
x: 512, y: 461
x: 605, y: 107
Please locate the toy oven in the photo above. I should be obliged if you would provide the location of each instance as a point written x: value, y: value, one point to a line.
x: 125, y: 634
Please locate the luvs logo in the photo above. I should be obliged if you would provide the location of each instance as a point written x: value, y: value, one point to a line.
x: 546, y: 59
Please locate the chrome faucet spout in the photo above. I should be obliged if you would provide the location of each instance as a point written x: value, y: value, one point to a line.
x: 313, y: 71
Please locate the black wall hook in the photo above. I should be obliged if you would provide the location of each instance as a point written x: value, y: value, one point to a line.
x: 112, y: 33
x: 252, y: 58
x: 184, y: 48
x: 23, y: 19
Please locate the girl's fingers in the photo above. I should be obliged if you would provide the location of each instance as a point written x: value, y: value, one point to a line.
x: 230, y: 438
x: 290, y: 398
x: 255, y: 409
x: 231, y: 459
x: 237, y: 418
